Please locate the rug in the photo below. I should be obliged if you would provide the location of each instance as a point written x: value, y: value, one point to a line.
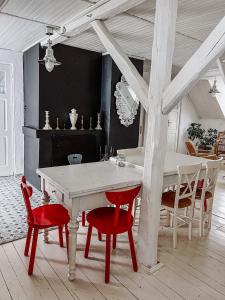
x: 12, y: 209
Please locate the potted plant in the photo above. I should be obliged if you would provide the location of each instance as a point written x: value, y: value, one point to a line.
x: 209, y: 138
x: 195, y: 132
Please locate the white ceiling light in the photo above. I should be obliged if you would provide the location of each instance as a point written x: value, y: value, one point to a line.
x: 49, y: 58
x: 213, y: 90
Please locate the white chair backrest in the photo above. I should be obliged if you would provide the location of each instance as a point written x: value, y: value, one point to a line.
x: 212, y: 169
x: 187, y: 182
x: 131, y: 151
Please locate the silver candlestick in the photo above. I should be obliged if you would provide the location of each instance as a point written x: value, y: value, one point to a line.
x: 90, y: 124
x: 82, y: 122
x: 47, y: 124
x: 57, y: 124
x: 98, y: 127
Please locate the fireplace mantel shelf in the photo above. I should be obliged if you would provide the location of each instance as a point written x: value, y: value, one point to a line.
x: 41, y: 133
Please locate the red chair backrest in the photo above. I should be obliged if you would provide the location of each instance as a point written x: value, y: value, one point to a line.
x: 27, y: 193
x: 123, y: 198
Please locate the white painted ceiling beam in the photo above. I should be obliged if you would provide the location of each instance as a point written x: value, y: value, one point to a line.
x: 211, y: 73
x: 221, y: 68
x: 100, y: 11
x: 212, y: 48
x: 134, y: 79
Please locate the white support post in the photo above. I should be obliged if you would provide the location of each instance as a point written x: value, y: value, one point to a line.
x: 134, y: 79
x: 211, y: 49
x: 155, y: 147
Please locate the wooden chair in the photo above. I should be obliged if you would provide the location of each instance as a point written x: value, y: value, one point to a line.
x: 220, y: 145
x: 182, y: 198
x: 42, y: 217
x: 205, y: 194
x: 193, y: 152
x: 113, y: 221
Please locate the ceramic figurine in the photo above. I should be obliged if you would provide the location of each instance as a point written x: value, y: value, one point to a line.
x: 57, y: 124
x: 73, y: 118
x: 98, y: 127
x: 82, y: 122
x: 90, y: 124
x: 47, y: 124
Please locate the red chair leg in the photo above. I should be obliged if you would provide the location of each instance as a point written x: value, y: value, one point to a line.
x: 83, y: 218
x: 114, y: 241
x: 99, y: 236
x: 132, y: 250
x: 88, y: 241
x: 60, y: 229
x: 33, y: 252
x: 27, y: 246
x: 67, y: 240
x: 107, y: 258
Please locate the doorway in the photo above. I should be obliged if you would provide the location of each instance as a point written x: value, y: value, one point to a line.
x: 6, y: 121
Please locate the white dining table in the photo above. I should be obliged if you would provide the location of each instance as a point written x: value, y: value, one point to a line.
x: 82, y: 187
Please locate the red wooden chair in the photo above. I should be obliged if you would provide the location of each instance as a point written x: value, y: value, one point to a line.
x: 42, y: 217
x: 112, y: 221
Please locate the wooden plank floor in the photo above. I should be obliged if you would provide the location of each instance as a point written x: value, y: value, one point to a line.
x: 195, y: 270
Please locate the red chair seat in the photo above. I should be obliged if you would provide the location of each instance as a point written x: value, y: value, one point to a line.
x: 112, y: 221
x: 199, y: 194
x: 41, y: 217
x: 168, y: 199
x: 208, y: 195
x: 102, y: 219
x: 49, y: 216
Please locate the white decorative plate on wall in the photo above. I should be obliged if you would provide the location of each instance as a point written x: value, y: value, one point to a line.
x: 126, y: 102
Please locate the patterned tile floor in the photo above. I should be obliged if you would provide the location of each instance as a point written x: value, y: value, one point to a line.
x: 12, y: 210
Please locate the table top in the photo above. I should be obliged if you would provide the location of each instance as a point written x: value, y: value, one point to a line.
x: 84, y: 179
x: 89, y: 178
x: 172, y: 160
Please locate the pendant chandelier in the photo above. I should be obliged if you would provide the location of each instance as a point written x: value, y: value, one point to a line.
x: 49, y: 59
x: 214, y: 90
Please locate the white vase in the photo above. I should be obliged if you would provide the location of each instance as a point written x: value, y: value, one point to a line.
x: 73, y: 118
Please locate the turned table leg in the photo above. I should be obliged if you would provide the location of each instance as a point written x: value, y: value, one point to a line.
x: 45, y: 199
x: 73, y: 228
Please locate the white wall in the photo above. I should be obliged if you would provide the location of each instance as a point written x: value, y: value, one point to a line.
x: 15, y: 59
x: 218, y: 124
x: 188, y: 115
x: 205, y: 104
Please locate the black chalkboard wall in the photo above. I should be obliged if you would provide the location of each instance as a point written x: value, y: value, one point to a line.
x: 86, y: 81
x: 76, y: 83
x: 116, y: 135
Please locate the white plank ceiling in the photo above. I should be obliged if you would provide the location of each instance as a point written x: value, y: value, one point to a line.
x: 133, y: 29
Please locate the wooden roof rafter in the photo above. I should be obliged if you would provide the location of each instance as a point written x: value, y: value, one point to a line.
x: 126, y: 67
x: 102, y: 10
x: 209, y: 51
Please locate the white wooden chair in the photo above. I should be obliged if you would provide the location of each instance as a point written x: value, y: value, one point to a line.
x: 205, y: 194
x: 182, y: 198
